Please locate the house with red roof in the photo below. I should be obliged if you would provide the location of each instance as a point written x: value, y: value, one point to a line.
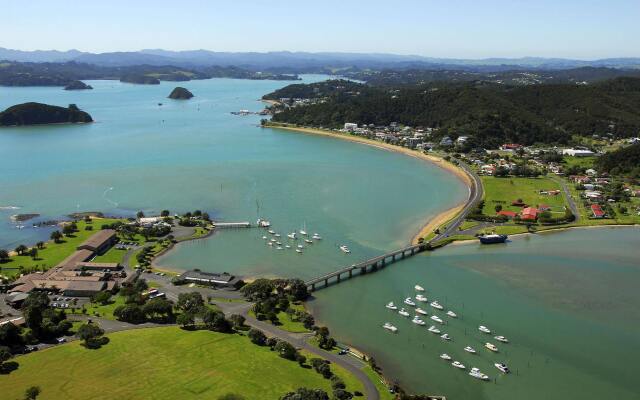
x: 529, y: 214
x: 597, y: 211
x: 508, y: 214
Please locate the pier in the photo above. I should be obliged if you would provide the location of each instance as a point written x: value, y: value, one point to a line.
x: 229, y: 225
x: 364, y: 267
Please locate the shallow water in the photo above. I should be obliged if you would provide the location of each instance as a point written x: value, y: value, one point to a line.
x: 567, y: 301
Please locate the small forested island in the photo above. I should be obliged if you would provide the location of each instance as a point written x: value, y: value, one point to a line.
x: 77, y: 85
x: 180, y: 93
x: 140, y: 79
x: 39, y: 114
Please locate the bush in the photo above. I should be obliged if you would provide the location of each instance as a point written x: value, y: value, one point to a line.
x: 131, y: 313
x: 286, y: 350
x: 257, y: 337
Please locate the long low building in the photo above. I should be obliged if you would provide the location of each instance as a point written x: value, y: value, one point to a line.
x: 214, y: 279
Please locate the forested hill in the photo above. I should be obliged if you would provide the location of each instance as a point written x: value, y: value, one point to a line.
x: 490, y: 114
x: 622, y: 161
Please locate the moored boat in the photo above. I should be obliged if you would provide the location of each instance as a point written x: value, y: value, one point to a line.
x: 445, y: 336
x: 475, y: 372
x: 419, y: 288
x: 436, y: 305
x: 458, y: 364
x: 437, y: 319
x: 502, y: 367
x: 391, y: 306
x: 492, y: 238
x: 422, y: 298
x: 491, y: 347
x: 345, y: 249
x: 418, y: 321
x: 403, y: 312
x: 421, y: 311
x: 433, y: 329
x: 389, y: 327
x: 410, y: 302
x: 501, y: 339
x: 470, y: 349
x: 484, y: 329
x: 445, y: 356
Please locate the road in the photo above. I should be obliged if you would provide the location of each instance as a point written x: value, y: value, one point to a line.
x: 476, y: 192
x: 567, y: 194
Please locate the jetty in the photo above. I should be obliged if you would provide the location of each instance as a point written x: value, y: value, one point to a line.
x: 230, y: 225
x: 364, y: 267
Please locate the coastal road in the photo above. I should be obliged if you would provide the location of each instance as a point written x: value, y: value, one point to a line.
x: 476, y: 191
x: 354, y: 366
x: 567, y: 194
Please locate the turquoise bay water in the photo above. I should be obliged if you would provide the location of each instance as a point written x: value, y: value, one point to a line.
x: 187, y: 155
x: 569, y: 303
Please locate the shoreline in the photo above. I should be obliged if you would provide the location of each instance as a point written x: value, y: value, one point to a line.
x: 434, y: 222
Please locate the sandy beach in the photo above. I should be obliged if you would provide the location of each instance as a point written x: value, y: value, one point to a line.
x: 432, y: 223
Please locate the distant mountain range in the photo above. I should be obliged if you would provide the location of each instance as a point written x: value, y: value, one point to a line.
x: 304, y: 61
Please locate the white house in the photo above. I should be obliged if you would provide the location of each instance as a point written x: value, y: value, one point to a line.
x: 578, y: 153
x: 350, y: 126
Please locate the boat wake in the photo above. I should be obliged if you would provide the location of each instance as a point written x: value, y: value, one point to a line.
x: 9, y: 208
x: 104, y: 196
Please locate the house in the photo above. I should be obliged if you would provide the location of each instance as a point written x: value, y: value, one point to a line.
x: 462, y: 140
x: 578, y: 153
x: 100, y: 242
x: 95, y: 266
x: 211, y: 279
x: 510, y: 147
x: 590, y: 172
x: 147, y: 222
x: 488, y: 169
x: 349, y: 126
x: 597, y: 211
x: 529, y: 214
x: 15, y: 300
x: 17, y: 321
x: 508, y: 214
x: 446, y: 141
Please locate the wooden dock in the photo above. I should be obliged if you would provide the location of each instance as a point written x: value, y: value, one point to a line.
x: 230, y: 225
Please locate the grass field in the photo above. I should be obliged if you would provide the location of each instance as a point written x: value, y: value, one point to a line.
x: 286, y: 324
x: 503, y: 191
x: 163, y: 363
x: 53, y: 253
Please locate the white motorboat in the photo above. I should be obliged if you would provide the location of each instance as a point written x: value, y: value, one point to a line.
x: 475, y: 372
x: 445, y: 336
x: 418, y: 321
x: 403, y: 312
x: 263, y: 223
x: 452, y: 314
x: 420, y: 297
x: 433, y: 329
x: 436, y: 305
x: 270, y: 243
x: 345, y: 249
x: 388, y: 326
x: 298, y: 251
x: 300, y: 246
x: 501, y: 339
x: 277, y: 235
x: 391, y: 306
x: 458, y: 364
x: 502, y: 367
x: 280, y: 248
x: 436, y: 318
x: 484, y: 329
x: 491, y: 347
x: 445, y: 356
x: 292, y: 235
x: 421, y: 311
x: 419, y: 288
x: 279, y: 243
x: 470, y: 349
x: 316, y: 237
x: 271, y: 231
x: 287, y: 246
x: 264, y: 237
x: 408, y: 301
x: 308, y: 241
x: 273, y: 240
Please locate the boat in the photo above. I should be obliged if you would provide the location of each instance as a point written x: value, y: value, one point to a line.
x: 458, y: 364
x: 273, y: 240
x: 420, y: 297
x: 470, y: 349
x: 491, y: 347
x: 484, y: 329
x: 419, y: 288
x: 270, y: 243
x: 433, y: 329
x: 437, y: 305
x: 280, y: 248
x: 388, y: 326
x: 492, y: 238
x: 403, y: 312
x: 436, y: 318
x: 287, y: 246
x: 418, y: 321
x: 410, y: 302
x: 264, y: 237
x: 279, y: 244
x: 263, y: 223
x: 421, y: 311
x: 501, y: 339
x: 277, y: 235
x: 452, y: 314
x: 303, y: 231
x: 271, y: 231
x: 308, y: 241
x: 445, y: 356
x: 391, y: 306
x: 345, y: 249
x: 475, y: 372
x: 292, y: 235
x: 298, y: 251
x: 502, y: 367
x: 316, y: 237
x: 300, y: 246
x: 445, y: 336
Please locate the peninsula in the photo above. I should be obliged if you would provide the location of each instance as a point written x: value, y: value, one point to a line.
x: 41, y: 114
x: 77, y: 85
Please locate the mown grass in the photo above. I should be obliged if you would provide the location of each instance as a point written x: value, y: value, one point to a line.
x: 163, y: 363
x: 54, y: 253
x: 504, y: 191
x: 285, y: 322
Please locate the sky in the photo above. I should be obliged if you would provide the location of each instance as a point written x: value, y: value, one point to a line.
x: 582, y: 29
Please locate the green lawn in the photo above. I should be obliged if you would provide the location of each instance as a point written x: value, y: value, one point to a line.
x: 582, y: 162
x: 503, y: 191
x: 105, y: 311
x: 162, y: 363
x: 382, y: 388
x: 112, y: 256
x: 54, y: 253
x: 285, y: 322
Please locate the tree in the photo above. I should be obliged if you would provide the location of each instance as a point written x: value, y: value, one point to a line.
x: 33, y: 252
x: 102, y: 297
x: 286, y: 350
x: 9, y: 335
x: 298, y: 289
x: 68, y: 230
x: 159, y: 307
x: 32, y: 393
x: 4, y: 256
x: 56, y: 236
x: 92, y: 335
x: 140, y: 214
x: 21, y: 249
x: 131, y: 313
x: 215, y: 321
x: 191, y: 303
x: 185, y: 320
x: 306, y: 394
x: 40, y: 245
x: 237, y: 320
x: 164, y: 213
x: 257, y: 336
x: 498, y: 208
x: 259, y: 289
